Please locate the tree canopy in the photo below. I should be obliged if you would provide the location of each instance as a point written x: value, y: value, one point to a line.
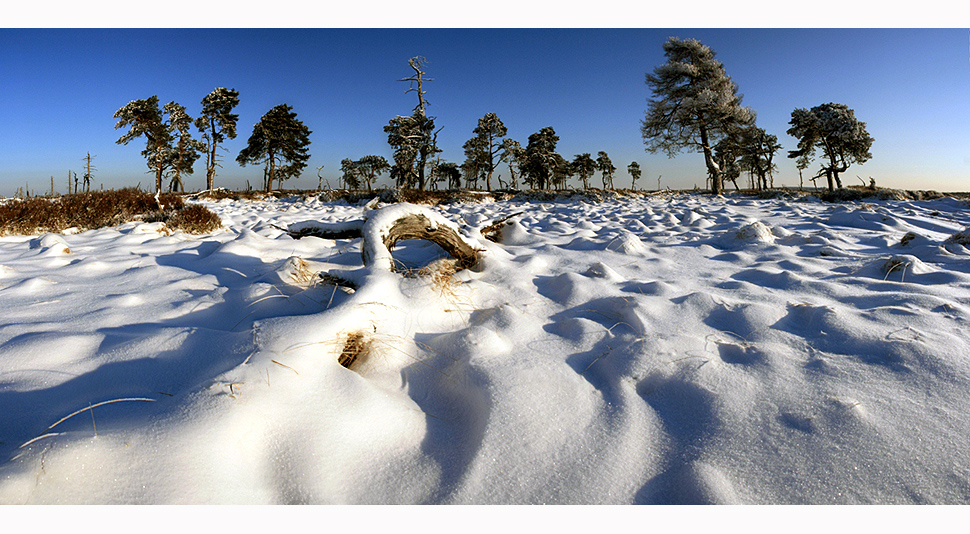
x: 540, y: 159
x: 281, y: 142
x: 694, y: 104
x: 834, y: 130
x: 413, y: 140
x: 144, y: 118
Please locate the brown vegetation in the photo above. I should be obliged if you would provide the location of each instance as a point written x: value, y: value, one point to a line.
x: 355, y: 350
x: 98, y: 209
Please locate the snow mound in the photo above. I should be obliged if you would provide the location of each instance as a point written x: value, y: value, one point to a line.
x: 627, y: 243
x: 960, y: 238
x: 756, y: 233
x: 50, y: 245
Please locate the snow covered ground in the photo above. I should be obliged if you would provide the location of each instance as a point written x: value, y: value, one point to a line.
x: 679, y: 349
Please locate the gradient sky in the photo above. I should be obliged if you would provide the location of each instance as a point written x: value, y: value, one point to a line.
x: 60, y: 87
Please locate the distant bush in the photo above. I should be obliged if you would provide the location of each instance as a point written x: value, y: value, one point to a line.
x: 98, y: 209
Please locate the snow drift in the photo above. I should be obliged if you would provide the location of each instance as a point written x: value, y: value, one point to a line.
x: 679, y: 349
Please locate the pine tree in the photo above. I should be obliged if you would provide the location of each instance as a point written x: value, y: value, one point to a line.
x: 351, y: 174
x: 370, y: 167
x: 634, y: 170
x: 539, y: 160
x: 476, y: 161
x: 280, y: 141
x: 694, y: 104
x: 833, y: 129
x: 726, y: 154
x: 485, y: 147
x: 562, y: 171
x: 585, y: 167
x: 604, y: 165
x: 451, y: 173
x: 216, y: 122
x: 758, y: 149
x: 412, y: 139
x: 144, y: 118
x: 513, y: 154
x: 184, y: 154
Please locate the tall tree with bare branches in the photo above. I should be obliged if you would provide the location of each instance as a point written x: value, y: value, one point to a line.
x: 413, y: 137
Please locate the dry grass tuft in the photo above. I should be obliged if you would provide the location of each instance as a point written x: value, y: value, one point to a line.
x: 355, y: 352
x: 194, y: 219
x: 98, y: 209
x: 441, y: 273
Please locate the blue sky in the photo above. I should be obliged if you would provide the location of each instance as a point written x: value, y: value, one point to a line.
x: 60, y: 88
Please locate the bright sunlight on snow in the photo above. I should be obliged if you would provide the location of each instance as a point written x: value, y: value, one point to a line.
x: 655, y: 349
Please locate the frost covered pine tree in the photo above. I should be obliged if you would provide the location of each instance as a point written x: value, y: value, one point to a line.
x: 512, y: 153
x: 540, y: 158
x: 475, y: 164
x: 351, y: 174
x: 144, y: 118
x: 185, y: 152
x: 281, y: 142
x: 833, y: 129
x: 758, y: 149
x: 216, y: 122
x: 413, y: 138
x: 694, y: 104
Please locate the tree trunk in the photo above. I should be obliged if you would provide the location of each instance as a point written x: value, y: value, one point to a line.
x: 272, y: 172
x: 211, y: 171
x: 158, y: 173
x: 709, y: 159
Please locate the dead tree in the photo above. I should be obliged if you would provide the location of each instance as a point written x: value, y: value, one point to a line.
x: 87, y: 174
x: 416, y: 63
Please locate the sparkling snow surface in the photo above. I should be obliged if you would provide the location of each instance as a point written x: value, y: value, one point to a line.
x: 687, y: 349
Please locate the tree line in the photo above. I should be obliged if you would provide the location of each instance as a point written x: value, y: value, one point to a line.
x: 695, y: 106
x: 416, y: 162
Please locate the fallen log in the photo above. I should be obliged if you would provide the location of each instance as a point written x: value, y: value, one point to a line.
x: 386, y: 226
x: 493, y: 232
x: 342, y: 230
x: 382, y: 228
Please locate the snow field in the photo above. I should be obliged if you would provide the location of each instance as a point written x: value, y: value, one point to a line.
x: 681, y: 349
